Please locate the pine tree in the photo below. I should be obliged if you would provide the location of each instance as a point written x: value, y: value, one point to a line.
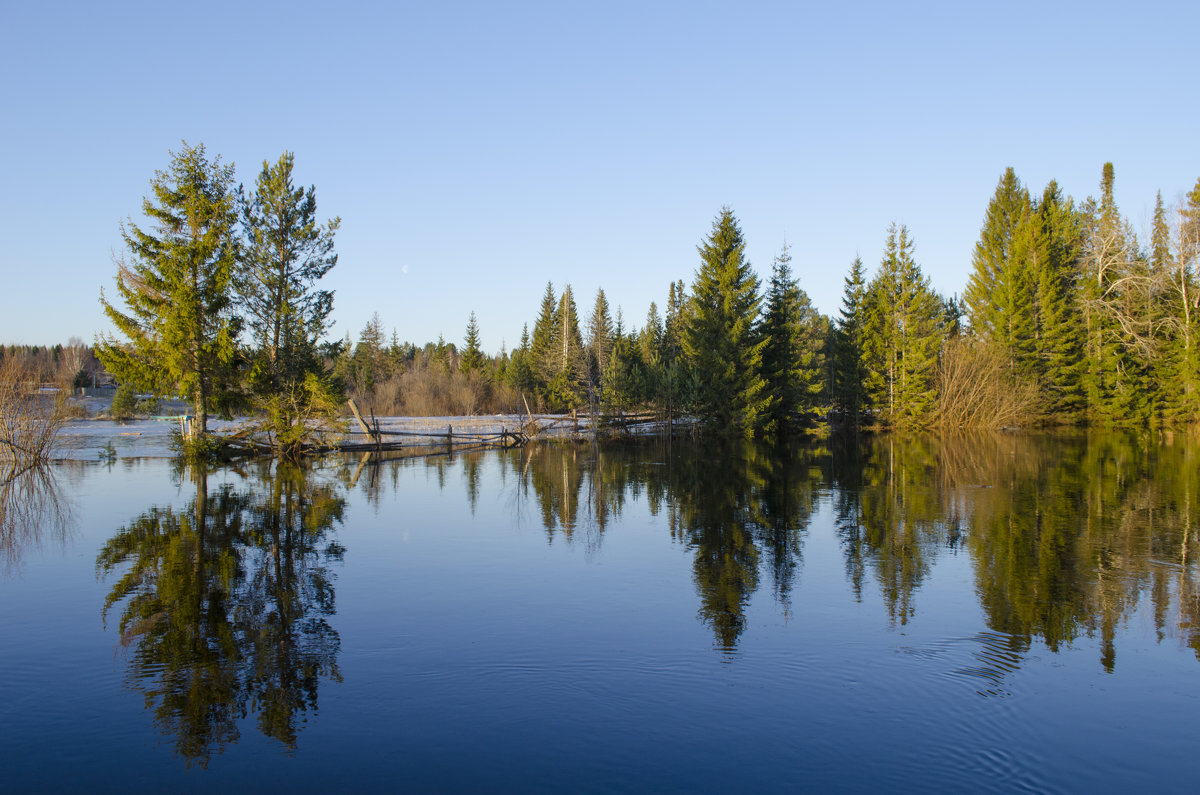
x: 599, y: 344
x: 1060, y: 329
x: 792, y: 360
x: 902, y: 336
x: 541, y: 358
x: 472, y: 358
x: 566, y: 365
x: 849, y: 372
x: 520, y: 370
x: 999, y: 293
x: 674, y: 378
x: 177, y: 287
x: 286, y: 254
x: 720, y: 336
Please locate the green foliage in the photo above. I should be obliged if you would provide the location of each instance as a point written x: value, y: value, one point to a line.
x: 599, y: 344
x: 472, y: 359
x: 793, y: 361
x: 999, y: 293
x: 1060, y: 330
x: 565, y: 365
x: 901, y: 337
x: 177, y: 289
x: 148, y: 405
x: 720, y: 336
x: 849, y: 370
x: 124, y: 403
x: 286, y: 255
x: 301, y: 410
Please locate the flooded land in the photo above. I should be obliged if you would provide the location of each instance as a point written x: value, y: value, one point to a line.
x: 990, y: 612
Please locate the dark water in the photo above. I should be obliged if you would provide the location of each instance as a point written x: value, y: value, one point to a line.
x: 996, y: 613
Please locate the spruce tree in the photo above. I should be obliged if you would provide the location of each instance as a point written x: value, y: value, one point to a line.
x: 566, y: 363
x: 472, y: 358
x: 792, y: 360
x: 999, y: 293
x: 902, y: 336
x: 177, y: 287
x: 720, y: 336
x: 600, y: 342
x: 849, y: 372
x: 1060, y: 329
x: 520, y: 370
x: 674, y: 375
x: 541, y: 345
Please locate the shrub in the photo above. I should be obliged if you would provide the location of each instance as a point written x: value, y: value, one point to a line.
x: 124, y: 404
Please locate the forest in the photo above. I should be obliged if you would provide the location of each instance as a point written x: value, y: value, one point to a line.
x: 1067, y: 318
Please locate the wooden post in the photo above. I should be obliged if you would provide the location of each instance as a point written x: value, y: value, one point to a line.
x: 361, y: 422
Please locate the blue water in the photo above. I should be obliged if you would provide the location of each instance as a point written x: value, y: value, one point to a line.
x: 577, y: 619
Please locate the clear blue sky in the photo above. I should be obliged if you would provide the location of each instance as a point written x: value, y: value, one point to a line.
x: 476, y: 150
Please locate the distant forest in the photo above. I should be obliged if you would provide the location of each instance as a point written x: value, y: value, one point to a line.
x: 1067, y: 318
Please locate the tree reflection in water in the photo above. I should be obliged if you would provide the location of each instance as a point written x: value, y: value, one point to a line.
x: 1067, y: 534
x: 739, y: 508
x: 33, y: 512
x: 225, y: 606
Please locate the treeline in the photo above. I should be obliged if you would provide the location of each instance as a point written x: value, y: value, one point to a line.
x: 1066, y: 319
x: 63, y: 366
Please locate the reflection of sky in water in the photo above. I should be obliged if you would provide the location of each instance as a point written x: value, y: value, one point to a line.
x: 544, y: 620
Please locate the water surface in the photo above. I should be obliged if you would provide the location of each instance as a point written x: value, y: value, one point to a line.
x: 997, y: 613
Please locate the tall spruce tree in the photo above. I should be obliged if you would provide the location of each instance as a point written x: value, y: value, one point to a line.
x: 792, y: 358
x: 902, y: 336
x: 849, y: 371
x: 721, y: 339
x: 519, y: 372
x: 541, y: 345
x: 1060, y: 330
x: 674, y: 379
x: 599, y: 343
x: 472, y: 358
x: 567, y: 363
x: 177, y: 287
x: 999, y: 293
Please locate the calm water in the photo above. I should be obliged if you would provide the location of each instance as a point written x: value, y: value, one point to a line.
x: 998, y: 613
